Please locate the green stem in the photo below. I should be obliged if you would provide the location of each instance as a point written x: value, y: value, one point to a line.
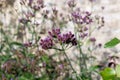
x: 68, y: 59
x: 69, y: 62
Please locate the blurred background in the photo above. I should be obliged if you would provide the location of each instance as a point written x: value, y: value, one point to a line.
x: 11, y: 11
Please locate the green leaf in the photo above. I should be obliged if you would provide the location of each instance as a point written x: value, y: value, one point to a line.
x: 93, y: 68
x: 16, y: 43
x: 26, y: 76
x: 118, y: 70
x: 1, y: 47
x: 117, y: 78
x: 45, y: 58
x: 108, y: 74
x: 22, y: 78
x: 43, y: 77
x: 112, y: 43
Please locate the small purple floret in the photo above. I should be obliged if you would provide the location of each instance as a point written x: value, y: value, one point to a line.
x: 46, y: 43
x: 54, y: 32
x: 68, y: 38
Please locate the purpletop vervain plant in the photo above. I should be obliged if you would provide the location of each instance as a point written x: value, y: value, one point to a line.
x: 47, y: 43
x: 30, y: 2
x: 27, y: 44
x: 81, y: 17
x: 84, y: 32
x: 24, y: 20
x: 71, y: 3
x: 39, y: 4
x: 67, y: 38
x: 55, y: 34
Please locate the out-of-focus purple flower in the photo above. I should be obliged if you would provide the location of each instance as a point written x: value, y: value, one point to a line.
x: 71, y: 3
x: 92, y: 39
x: 54, y: 32
x: 55, y: 36
x: 86, y: 20
x: 36, y: 7
x: 76, y: 14
x: 29, y: 14
x: 99, y: 45
x: 83, y: 35
x: 24, y: 21
x: 46, y: 43
x: 44, y: 64
x: 88, y: 13
x: 102, y: 7
x: 74, y: 41
x: 39, y: 4
x: 40, y: 1
x: 61, y: 66
x: 60, y: 37
x: 45, y: 13
x: 103, y: 21
x: 85, y: 28
x: 55, y: 11
x: 80, y: 17
x: 67, y: 38
x: 30, y: 2
x: 27, y: 44
x: 92, y: 0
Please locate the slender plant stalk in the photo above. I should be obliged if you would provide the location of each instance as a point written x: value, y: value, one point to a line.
x: 69, y: 62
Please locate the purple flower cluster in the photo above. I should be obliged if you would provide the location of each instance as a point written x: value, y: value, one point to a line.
x: 46, y: 43
x: 71, y: 3
x: 55, y: 34
x: 84, y: 32
x: 81, y: 17
x: 27, y: 44
x: 24, y: 20
x: 67, y: 38
x: 39, y: 4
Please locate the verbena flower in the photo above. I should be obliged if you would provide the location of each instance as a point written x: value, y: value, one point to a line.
x: 67, y: 38
x: 71, y: 3
x: 83, y: 32
x: 81, y: 17
x: 56, y: 36
x: 92, y: 39
x: 30, y: 2
x: 47, y: 43
x: 85, y: 28
x: 27, y: 44
x: 40, y: 1
x: 83, y: 35
x: 55, y: 11
x: 54, y: 32
x: 39, y: 4
x: 24, y: 20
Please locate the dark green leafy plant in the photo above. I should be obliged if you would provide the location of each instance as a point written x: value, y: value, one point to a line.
x: 110, y: 73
